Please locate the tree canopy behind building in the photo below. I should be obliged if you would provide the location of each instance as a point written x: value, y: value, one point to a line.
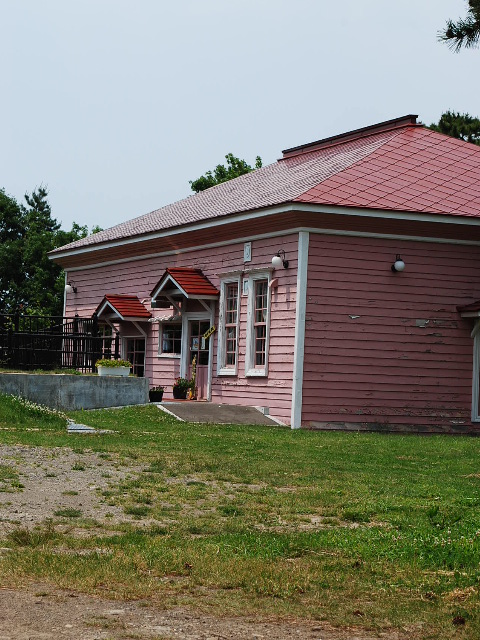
x: 29, y: 281
x: 234, y: 168
x: 459, y: 125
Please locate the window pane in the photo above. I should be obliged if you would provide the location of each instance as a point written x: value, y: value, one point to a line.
x: 230, y: 325
x: 172, y: 338
x: 260, y: 323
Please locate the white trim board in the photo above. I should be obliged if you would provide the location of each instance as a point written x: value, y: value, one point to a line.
x: 299, y: 341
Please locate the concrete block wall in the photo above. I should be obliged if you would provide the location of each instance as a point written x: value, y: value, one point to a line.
x: 71, y: 392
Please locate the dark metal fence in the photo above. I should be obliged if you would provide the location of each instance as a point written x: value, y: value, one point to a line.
x: 54, y: 342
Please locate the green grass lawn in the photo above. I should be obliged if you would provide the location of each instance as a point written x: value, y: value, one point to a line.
x: 371, y: 530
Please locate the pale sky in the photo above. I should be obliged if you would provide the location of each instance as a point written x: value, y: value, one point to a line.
x: 115, y: 105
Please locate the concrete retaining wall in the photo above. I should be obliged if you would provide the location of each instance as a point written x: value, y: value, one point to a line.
x: 70, y: 392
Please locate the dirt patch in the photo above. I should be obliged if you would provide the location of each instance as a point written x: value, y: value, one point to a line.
x: 45, y: 614
x: 59, y: 480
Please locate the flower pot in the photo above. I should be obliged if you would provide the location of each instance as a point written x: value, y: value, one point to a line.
x: 179, y: 394
x: 155, y: 396
x: 113, y: 371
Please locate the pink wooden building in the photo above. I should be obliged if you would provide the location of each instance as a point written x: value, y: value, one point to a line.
x: 329, y: 336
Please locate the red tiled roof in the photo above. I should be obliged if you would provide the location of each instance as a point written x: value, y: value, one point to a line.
x: 191, y: 281
x: 399, y: 167
x: 417, y: 170
x: 125, y: 306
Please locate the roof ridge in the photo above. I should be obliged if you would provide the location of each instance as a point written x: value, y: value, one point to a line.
x: 356, y: 134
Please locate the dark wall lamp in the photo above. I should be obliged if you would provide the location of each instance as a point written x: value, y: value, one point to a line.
x: 398, y: 265
x: 278, y: 260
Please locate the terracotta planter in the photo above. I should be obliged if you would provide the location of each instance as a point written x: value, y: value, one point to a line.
x: 180, y: 394
x: 155, y: 396
x: 113, y: 371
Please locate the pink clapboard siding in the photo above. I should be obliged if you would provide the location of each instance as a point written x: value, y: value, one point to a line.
x: 388, y: 348
x: 139, y: 277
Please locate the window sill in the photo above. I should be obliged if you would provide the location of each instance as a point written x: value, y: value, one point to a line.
x: 173, y: 356
x: 227, y: 372
x: 256, y: 373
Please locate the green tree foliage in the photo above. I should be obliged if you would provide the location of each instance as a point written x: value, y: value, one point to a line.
x: 234, y: 168
x: 465, y: 32
x: 11, y: 239
x: 459, y: 125
x: 29, y: 281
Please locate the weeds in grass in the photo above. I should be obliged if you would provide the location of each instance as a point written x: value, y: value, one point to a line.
x: 137, y: 511
x: 9, y: 480
x: 37, y: 537
x: 68, y: 513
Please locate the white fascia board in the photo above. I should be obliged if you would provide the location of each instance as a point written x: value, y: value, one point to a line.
x: 440, y: 218
x: 162, y: 286
x: 107, y: 305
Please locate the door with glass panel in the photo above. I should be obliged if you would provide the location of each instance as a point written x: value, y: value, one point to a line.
x: 199, y: 350
x: 135, y: 352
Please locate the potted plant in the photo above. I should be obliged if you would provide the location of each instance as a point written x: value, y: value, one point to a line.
x: 181, y: 388
x: 156, y: 394
x: 106, y: 367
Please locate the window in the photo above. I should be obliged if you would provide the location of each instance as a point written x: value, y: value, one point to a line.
x: 256, y: 361
x: 170, y: 340
x: 228, y: 329
x: 260, y: 322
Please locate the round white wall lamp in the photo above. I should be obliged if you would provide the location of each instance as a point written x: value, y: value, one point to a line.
x: 398, y: 265
x: 278, y: 260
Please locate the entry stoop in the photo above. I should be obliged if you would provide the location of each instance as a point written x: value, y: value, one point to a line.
x: 208, y: 412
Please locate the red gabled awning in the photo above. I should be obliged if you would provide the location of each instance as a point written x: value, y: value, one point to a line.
x: 123, y: 307
x: 187, y: 282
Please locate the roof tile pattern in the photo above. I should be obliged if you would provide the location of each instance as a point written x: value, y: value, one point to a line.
x: 126, y: 306
x: 274, y: 184
x: 192, y: 281
x: 408, y: 168
x: 417, y: 170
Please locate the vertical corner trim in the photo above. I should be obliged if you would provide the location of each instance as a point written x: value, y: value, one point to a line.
x: 299, y: 345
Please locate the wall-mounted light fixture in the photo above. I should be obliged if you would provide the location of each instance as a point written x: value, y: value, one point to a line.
x: 279, y: 259
x: 69, y: 287
x: 398, y: 265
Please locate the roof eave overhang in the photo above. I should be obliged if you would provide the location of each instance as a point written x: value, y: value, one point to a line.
x: 115, y: 314
x: 285, y: 208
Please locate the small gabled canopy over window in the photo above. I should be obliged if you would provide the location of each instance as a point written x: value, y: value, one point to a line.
x: 122, y: 307
x: 178, y: 283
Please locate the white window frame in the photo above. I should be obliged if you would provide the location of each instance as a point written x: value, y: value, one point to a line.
x: 250, y: 369
x: 161, y: 353
x: 476, y: 373
x: 222, y: 368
